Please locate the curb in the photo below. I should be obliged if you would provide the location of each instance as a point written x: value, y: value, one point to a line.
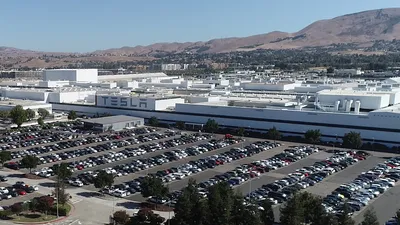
x: 51, y: 221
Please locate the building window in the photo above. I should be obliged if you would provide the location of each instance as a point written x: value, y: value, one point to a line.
x: 127, y: 125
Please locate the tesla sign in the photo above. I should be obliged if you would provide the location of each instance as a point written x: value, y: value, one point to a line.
x: 122, y: 102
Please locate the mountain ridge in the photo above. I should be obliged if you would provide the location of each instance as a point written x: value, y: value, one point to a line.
x: 360, y: 29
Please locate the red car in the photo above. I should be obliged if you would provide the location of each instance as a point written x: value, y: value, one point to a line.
x: 21, y: 192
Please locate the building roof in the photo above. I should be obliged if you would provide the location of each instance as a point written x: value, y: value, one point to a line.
x: 112, y: 119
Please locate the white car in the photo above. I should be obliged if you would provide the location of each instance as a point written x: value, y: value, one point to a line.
x: 77, y: 183
x: 3, y: 190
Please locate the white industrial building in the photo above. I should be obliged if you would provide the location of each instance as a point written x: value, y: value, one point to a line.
x: 139, y: 102
x: 8, y: 104
x: 76, y: 75
x: 293, y: 106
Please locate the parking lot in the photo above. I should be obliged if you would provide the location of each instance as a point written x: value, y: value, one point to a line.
x: 251, y: 166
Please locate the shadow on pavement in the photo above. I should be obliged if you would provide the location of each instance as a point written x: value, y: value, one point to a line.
x: 16, y: 175
x: 129, y: 205
x: 48, y: 184
x: 88, y: 194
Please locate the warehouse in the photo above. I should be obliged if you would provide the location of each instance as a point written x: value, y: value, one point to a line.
x: 115, y: 123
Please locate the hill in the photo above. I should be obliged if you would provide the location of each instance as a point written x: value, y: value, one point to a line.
x: 357, y: 32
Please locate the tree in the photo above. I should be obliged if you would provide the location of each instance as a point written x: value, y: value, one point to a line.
x: 344, y: 217
x: 61, y: 195
x: 147, y: 217
x: 293, y: 212
x: 30, y: 161
x: 16, y: 208
x: 211, y: 126
x: 45, y: 203
x: 4, y: 157
x: 4, y: 114
x: 220, y: 202
x: 153, y: 186
x: 238, y: 210
x: 43, y: 113
x: 30, y: 114
x: 240, y: 132
x: 153, y: 121
x: 274, y: 134
x: 103, y: 179
x: 313, y: 136
x: 370, y: 218
x: 18, y: 115
x: 330, y: 70
x: 180, y: 125
x: 121, y: 217
x: 267, y: 213
x: 352, y: 140
x: 231, y: 103
x: 185, y: 204
x: 40, y: 121
x: 62, y: 171
x: 72, y: 115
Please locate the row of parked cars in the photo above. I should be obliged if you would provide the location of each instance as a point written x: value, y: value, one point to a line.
x: 367, y: 186
x: 211, y: 162
x: 54, y: 157
x: 19, y: 188
x: 75, y: 143
x: 283, y: 189
x: 112, y: 156
x: 143, y: 163
x: 196, y: 166
x: 133, y: 186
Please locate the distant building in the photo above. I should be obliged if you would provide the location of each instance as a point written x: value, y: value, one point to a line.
x: 115, y: 123
x: 351, y: 72
x: 21, y: 74
x: 166, y: 67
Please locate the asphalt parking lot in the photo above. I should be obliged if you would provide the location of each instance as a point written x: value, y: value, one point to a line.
x: 386, y: 205
x: 270, y: 177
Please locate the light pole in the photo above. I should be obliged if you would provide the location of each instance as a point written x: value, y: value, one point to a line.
x: 58, y: 189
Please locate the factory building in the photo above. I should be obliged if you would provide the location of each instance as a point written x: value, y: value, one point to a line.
x: 115, y: 123
x: 75, y: 75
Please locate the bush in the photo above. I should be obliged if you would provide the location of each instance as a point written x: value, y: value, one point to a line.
x: 62, y: 210
x: 5, y: 214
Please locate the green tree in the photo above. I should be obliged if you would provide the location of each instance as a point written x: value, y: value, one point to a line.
x: 238, y: 210
x: 4, y: 114
x: 121, y: 217
x: 180, y: 125
x: 18, y: 115
x: 313, y: 136
x: 370, y: 218
x: 4, y: 157
x: 146, y: 217
x: 231, y: 103
x: 251, y: 215
x: 43, y: 113
x: 186, y: 203
x: 330, y: 70
x: 72, y: 115
x: 30, y: 162
x: 267, y: 213
x: 240, y: 131
x: 153, y: 121
x: 61, y: 195
x: 352, y: 140
x: 103, y: 179
x: 344, y: 217
x: 211, y: 126
x: 274, y: 134
x: 30, y: 114
x: 40, y: 121
x: 292, y: 213
x: 220, y: 202
x: 153, y: 186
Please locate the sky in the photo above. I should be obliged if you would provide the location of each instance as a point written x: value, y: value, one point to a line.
x: 89, y: 25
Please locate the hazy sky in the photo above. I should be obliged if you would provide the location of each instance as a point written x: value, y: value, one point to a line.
x: 87, y: 25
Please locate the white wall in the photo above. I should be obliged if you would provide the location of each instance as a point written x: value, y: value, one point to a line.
x: 367, y: 101
x: 25, y: 94
x: 253, y: 124
x: 78, y: 75
x: 165, y: 103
